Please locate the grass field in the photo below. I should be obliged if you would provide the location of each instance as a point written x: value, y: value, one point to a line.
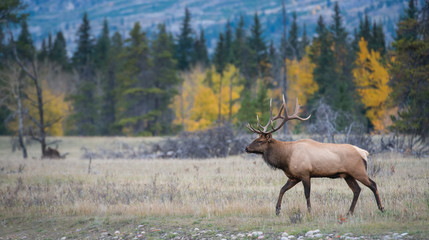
x: 48, y: 199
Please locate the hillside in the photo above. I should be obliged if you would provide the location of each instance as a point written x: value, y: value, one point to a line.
x: 52, y: 15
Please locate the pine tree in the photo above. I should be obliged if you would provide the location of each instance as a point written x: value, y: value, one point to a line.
x: 165, y: 82
x: 365, y: 29
x: 84, y: 116
x: 201, y: 55
x: 322, y: 55
x: 242, y: 53
x: 184, y: 49
x: 343, y: 65
x: 228, y: 44
x: 58, y: 52
x: 102, y: 48
x: 305, y: 41
x: 43, y: 53
x: 135, y: 79
x: 410, y: 71
x: 24, y: 43
x: 293, y: 50
x: 258, y: 49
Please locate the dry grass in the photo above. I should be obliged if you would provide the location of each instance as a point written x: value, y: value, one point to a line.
x: 236, y: 192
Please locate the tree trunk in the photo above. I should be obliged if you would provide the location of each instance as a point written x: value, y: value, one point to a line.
x: 20, y: 121
x: 220, y: 100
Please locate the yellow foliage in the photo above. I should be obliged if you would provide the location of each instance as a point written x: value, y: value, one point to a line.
x: 55, y: 110
x: 197, y: 105
x: 371, y: 79
x: 300, y: 82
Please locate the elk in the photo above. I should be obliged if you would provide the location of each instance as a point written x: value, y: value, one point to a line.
x: 305, y: 159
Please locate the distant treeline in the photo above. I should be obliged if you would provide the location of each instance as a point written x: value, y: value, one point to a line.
x: 159, y: 85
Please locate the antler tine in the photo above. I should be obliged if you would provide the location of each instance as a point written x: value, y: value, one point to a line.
x: 285, y: 117
x: 249, y: 126
x: 271, y: 116
x: 295, y: 114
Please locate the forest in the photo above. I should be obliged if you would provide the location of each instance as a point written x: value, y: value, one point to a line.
x: 164, y: 83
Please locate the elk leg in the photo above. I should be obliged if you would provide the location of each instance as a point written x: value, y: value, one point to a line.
x: 289, y: 184
x: 354, y: 186
x: 373, y: 186
x: 307, y: 187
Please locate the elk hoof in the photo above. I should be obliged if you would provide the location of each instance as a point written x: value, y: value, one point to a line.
x: 278, y: 211
x: 382, y: 209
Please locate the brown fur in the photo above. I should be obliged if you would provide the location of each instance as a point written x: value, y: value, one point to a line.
x: 304, y: 159
x: 53, y: 154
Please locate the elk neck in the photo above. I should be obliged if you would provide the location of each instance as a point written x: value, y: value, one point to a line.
x: 278, y: 154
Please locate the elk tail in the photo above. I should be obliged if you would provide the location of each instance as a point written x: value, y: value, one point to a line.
x: 364, y: 154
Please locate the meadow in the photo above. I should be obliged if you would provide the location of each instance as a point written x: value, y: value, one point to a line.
x: 48, y: 199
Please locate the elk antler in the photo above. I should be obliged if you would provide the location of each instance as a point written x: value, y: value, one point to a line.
x: 264, y: 129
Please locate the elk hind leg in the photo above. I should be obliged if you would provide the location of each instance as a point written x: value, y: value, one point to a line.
x: 307, y: 187
x: 354, y: 186
x: 373, y: 186
x: 289, y: 184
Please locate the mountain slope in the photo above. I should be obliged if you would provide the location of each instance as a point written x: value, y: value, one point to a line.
x: 49, y: 16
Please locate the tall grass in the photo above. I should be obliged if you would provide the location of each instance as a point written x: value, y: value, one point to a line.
x: 242, y: 189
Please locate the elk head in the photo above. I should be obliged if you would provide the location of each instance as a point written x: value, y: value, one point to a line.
x: 260, y: 144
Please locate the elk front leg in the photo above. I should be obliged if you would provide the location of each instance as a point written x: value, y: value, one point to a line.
x: 289, y: 184
x: 307, y: 187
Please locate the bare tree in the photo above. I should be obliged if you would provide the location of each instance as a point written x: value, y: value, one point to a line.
x: 33, y: 74
x: 12, y: 96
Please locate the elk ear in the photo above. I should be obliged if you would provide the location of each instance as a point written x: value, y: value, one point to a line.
x: 268, y: 137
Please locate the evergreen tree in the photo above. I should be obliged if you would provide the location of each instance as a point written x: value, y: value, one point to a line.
x: 58, y: 52
x: 323, y: 57
x: 409, y: 74
x: 109, y: 86
x: 103, y: 63
x: 305, y: 41
x: 135, y: 79
x: 165, y: 83
x: 24, y: 43
x: 201, y: 55
x: 102, y: 48
x: 84, y: 116
x: 228, y: 44
x: 242, y: 53
x: 184, y: 49
x: 343, y: 65
x: 258, y: 49
x: 43, y: 53
x: 365, y: 29
x: 293, y: 50
x: 219, y: 59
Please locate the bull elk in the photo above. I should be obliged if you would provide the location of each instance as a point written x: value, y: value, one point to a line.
x: 305, y: 159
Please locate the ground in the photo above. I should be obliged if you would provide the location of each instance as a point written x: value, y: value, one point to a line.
x: 227, y: 198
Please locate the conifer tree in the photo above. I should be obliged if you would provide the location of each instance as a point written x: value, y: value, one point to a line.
x: 43, y: 53
x: 258, y: 50
x: 58, y: 52
x: 305, y: 41
x: 242, y: 53
x: 102, y: 48
x: 410, y: 73
x: 343, y: 64
x: 293, y: 50
x: 84, y: 116
x: 24, y: 43
x: 184, y: 48
x: 365, y: 29
x: 201, y: 55
x: 135, y: 77
x: 165, y: 83
x: 228, y: 44
x: 325, y: 75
